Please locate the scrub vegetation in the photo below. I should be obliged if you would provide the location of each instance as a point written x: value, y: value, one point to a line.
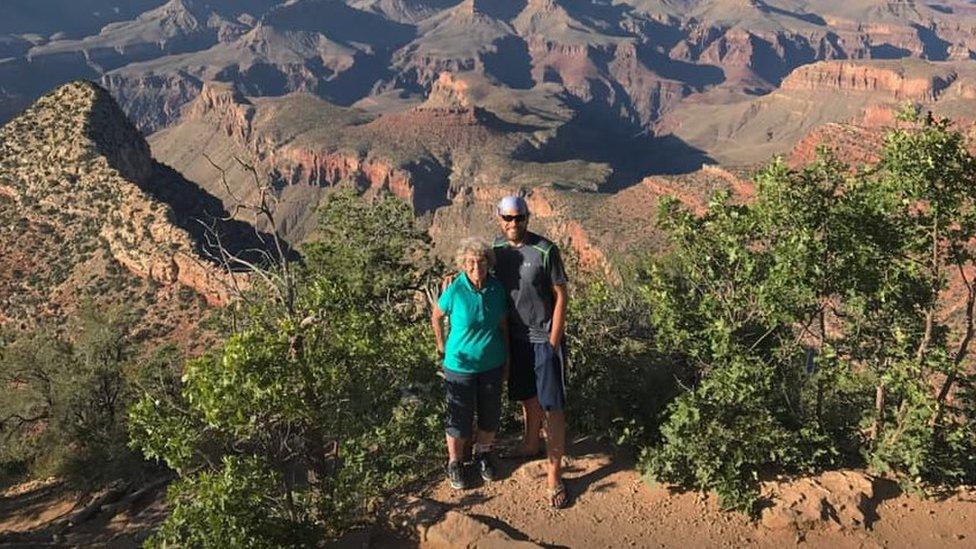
x: 323, y: 398
x: 825, y: 323
x: 828, y: 322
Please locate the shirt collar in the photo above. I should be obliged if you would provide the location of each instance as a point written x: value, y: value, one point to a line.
x: 467, y: 283
x: 530, y: 239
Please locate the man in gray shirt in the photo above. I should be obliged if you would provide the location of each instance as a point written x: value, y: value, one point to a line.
x: 530, y: 268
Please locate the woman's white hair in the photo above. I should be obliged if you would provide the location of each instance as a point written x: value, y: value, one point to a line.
x: 474, y: 246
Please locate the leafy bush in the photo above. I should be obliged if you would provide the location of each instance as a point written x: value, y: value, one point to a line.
x: 812, y: 319
x: 65, y: 401
x: 236, y: 503
x: 619, y: 385
x: 322, y: 398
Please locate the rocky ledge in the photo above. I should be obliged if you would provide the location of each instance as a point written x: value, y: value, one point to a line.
x: 74, y: 162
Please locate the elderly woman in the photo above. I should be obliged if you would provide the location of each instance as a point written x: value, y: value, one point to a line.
x: 475, y: 357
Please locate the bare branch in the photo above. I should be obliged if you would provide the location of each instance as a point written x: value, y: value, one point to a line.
x: 21, y: 421
x: 223, y: 179
x: 963, y: 350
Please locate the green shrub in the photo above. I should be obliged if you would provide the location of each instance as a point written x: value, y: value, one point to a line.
x: 65, y: 402
x: 811, y: 318
x: 325, y: 389
x: 618, y: 384
x: 235, y: 502
x: 720, y: 435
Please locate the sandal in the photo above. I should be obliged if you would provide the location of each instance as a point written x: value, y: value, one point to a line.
x: 558, y: 496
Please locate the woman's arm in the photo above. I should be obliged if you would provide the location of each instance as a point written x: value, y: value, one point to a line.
x: 436, y: 318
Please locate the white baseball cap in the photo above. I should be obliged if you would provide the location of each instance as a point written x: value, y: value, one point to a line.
x: 512, y: 204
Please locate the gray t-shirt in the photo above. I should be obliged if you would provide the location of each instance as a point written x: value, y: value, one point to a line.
x: 529, y: 273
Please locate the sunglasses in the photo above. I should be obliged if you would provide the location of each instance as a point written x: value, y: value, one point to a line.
x: 516, y: 218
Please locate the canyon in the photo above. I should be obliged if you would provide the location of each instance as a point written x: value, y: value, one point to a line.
x: 87, y: 215
x: 132, y: 135
x: 592, y: 110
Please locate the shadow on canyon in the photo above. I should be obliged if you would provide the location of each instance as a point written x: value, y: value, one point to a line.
x: 510, y: 63
x: 811, y: 18
x: 204, y: 216
x: 603, y: 132
x: 503, y: 10
x: 933, y: 47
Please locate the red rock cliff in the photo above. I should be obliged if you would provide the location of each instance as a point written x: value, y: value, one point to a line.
x: 898, y: 82
x: 222, y: 106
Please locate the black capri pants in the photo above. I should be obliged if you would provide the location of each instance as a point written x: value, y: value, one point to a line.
x: 469, y: 395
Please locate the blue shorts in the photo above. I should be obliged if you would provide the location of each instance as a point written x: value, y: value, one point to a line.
x: 469, y: 395
x: 537, y: 370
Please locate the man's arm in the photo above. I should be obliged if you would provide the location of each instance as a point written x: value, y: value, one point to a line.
x: 558, y: 315
x: 557, y: 276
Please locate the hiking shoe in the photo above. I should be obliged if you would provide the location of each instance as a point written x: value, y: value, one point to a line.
x: 485, y: 465
x: 455, y: 475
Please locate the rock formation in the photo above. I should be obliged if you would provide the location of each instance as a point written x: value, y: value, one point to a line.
x: 863, y: 93
x: 841, y: 499
x: 893, y: 81
x: 626, y: 64
x: 77, y: 199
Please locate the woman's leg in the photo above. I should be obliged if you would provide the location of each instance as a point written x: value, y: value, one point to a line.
x: 489, y: 419
x: 461, y: 392
x: 455, y: 448
x: 489, y: 405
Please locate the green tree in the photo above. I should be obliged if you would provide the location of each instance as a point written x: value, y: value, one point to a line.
x: 927, y: 177
x: 65, y: 400
x: 322, y: 401
x: 813, y: 316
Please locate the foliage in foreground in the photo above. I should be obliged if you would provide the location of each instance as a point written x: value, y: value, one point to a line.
x: 619, y: 383
x: 319, y: 402
x: 64, y: 399
x: 820, y: 322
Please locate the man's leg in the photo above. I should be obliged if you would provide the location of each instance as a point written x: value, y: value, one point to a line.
x: 532, y: 424
x: 522, y: 387
x: 555, y: 447
x: 552, y: 399
x: 484, y: 439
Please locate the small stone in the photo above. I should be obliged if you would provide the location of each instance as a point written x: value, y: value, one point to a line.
x: 960, y: 536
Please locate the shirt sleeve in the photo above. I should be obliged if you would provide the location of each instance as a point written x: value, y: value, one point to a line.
x: 557, y: 271
x: 446, y: 299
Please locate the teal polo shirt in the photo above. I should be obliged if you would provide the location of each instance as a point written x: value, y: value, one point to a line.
x: 474, y: 343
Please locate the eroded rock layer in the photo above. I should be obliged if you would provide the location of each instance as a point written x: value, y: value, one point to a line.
x: 80, y: 221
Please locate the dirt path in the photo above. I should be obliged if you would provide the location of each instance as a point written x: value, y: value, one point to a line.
x: 614, y: 507
x: 49, y: 514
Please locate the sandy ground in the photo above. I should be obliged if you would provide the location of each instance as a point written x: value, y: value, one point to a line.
x: 611, y: 507
x: 38, y: 514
